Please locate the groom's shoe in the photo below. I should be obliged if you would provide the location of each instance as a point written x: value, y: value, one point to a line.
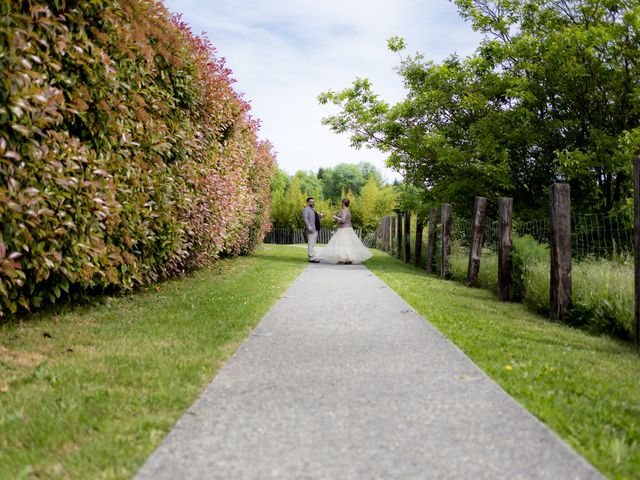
x: 314, y: 261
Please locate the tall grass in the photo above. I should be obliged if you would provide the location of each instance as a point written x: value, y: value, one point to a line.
x: 602, y: 289
x: 603, y: 296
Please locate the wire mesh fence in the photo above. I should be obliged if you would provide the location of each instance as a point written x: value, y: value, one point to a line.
x: 601, y: 235
x: 597, y: 235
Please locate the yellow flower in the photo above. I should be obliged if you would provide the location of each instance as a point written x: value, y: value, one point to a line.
x: 508, y: 367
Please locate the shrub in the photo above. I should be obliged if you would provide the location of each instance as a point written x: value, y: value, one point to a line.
x: 125, y: 154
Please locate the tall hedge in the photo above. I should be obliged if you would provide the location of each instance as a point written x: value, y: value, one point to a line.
x: 125, y: 154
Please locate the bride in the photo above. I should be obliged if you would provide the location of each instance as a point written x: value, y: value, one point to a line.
x: 344, y: 246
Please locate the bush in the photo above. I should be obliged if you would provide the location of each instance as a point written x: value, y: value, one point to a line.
x: 125, y: 155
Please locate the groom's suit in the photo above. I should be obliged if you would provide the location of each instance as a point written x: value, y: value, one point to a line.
x: 312, y: 227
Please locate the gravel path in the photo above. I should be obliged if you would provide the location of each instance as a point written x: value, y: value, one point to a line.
x: 343, y: 380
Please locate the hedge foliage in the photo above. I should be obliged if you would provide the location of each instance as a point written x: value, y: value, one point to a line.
x: 125, y: 154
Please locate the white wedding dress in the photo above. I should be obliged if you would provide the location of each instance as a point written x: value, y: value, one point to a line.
x: 344, y: 246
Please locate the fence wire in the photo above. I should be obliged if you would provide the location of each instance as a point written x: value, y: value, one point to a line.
x: 597, y: 235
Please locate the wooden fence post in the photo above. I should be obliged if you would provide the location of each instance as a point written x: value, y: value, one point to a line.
x: 385, y: 235
x: 477, y: 236
x: 505, y: 220
x: 407, y: 237
x: 431, y: 239
x: 399, y: 232
x: 636, y: 202
x: 445, y: 216
x: 560, y: 286
x: 392, y: 235
x: 418, y: 249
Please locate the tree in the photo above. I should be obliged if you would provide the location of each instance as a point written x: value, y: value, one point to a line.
x: 309, y: 183
x: 373, y: 203
x: 347, y: 177
x: 280, y: 181
x: 286, y: 210
x: 551, y: 94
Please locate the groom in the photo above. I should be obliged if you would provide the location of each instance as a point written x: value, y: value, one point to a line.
x: 312, y: 227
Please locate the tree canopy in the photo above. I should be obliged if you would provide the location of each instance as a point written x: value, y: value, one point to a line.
x: 551, y: 94
x: 362, y: 183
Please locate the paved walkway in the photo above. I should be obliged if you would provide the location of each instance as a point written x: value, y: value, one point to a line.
x: 343, y: 380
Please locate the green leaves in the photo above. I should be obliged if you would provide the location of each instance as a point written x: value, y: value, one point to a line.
x: 125, y: 155
x: 550, y: 93
x: 396, y: 44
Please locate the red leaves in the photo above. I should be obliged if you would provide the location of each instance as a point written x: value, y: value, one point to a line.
x: 126, y: 155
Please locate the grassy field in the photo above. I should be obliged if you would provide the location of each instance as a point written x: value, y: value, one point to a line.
x: 586, y: 388
x: 91, y: 392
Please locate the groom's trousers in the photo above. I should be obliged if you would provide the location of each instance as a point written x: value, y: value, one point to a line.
x: 312, y: 239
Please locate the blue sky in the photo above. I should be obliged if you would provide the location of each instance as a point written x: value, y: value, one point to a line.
x: 283, y: 53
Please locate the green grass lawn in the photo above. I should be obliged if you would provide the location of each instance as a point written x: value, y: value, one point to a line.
x: 89, y: 393
x: 586, y: 388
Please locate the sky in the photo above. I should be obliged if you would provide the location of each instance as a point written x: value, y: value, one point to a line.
x: 283, y: 53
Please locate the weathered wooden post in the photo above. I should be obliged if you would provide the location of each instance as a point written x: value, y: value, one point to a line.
x: 392, y: 235
x: 636, y: 203
x: 418, y: 249
x: 505, y: 220
x: 560, y: 286
x: 399, y: 232
x: 477, y: 237
x: 407, y: 237
x: 431, y: 239
x: 385, y: 234
x: 445, y: 216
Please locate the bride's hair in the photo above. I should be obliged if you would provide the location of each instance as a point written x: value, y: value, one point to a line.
x: 345, y: 202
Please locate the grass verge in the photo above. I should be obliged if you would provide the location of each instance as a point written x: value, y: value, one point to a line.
x: 91, y: 392
x: 583, y: 387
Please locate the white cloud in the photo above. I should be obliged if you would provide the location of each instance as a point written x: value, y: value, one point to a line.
x: 285, y: 52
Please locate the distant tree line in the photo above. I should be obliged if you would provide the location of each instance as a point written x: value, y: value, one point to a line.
x: 362, y: 183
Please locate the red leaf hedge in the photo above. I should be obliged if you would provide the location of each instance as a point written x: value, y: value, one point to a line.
x: 125, y: 154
